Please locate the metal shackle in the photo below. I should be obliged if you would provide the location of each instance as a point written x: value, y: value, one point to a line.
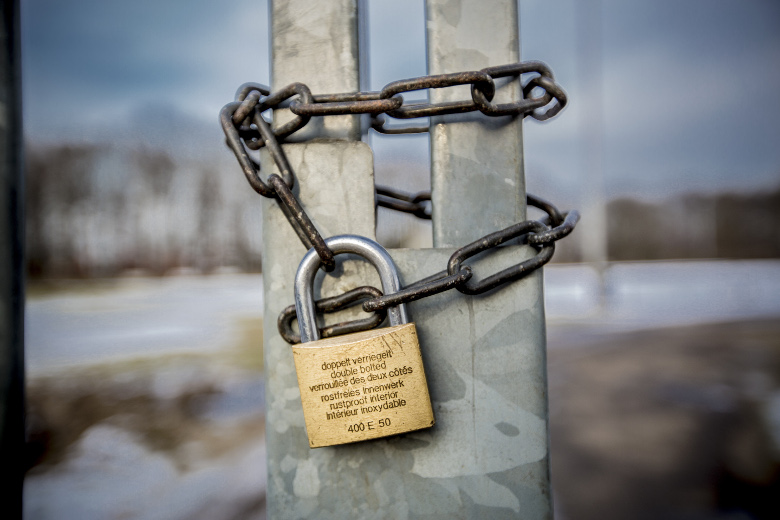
x: 307, y: 270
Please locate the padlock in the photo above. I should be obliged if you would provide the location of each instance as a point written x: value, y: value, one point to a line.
x: 364, y: 385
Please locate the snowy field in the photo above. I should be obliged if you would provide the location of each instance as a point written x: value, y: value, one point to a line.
x: 152, y: 387
x: 147, y: 316
x: 640, y: 295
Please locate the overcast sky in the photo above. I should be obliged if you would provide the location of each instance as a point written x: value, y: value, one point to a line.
x: 689, y: 91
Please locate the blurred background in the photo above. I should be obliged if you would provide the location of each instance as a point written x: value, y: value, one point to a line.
x: 144, y: 251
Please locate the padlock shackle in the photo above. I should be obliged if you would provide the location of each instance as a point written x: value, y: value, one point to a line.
x: 307, y: 270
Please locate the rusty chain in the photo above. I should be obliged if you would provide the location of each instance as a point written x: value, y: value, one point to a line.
x: 245, y: 128
x: 333, y: 304
x: 418, y: 204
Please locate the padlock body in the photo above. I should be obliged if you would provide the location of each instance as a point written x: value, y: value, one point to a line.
x: 363, y: 386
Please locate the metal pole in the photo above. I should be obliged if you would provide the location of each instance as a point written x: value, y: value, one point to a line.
x: 315, y: 43
x: 477, y: 179
x: 11, y: 269
x: 485, y: 356
x: 487, y: 455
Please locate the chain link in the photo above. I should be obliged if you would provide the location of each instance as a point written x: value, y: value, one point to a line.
x: 245, y: 128
x: 333, y: 304
x: 418, y: 204
x: 389, y: 101
x: 537, y: 233
x: 456, y: 276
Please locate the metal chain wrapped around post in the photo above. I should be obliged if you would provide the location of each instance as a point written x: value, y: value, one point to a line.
x: 245, y: 127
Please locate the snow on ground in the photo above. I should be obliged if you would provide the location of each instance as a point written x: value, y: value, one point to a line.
x: 146, y: 394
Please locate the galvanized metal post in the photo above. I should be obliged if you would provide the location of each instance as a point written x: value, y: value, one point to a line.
x: 487, y: 455
x: 11, y: 268
x: 485, y: 356
x: 315, y: 43
x: 473, y: 163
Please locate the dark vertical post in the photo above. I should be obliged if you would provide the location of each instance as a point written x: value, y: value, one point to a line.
x: 11, y: 265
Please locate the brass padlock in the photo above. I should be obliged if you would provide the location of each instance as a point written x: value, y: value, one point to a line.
x: 364, y: 385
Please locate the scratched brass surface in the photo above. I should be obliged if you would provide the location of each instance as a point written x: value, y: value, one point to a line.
x: 363, y: 386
